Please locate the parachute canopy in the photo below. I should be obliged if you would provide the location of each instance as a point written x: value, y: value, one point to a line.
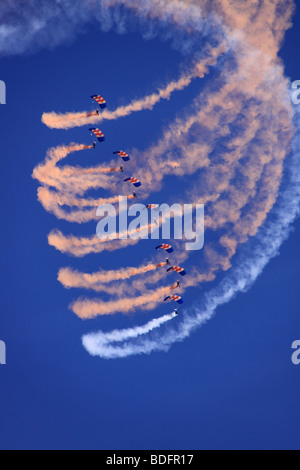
x: 123, y: 155
x: 99, y: 134
x: 166, y: 247
x: 134, y: 181
x: 175, y: 298
x: 177, y: 269
x: 101, y: 101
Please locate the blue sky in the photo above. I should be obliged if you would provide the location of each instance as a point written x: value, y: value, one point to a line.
x: 231, y: 384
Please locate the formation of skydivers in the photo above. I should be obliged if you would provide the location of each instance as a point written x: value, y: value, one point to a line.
x: 136, y: 183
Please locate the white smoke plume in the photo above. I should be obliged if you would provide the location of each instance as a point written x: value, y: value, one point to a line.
x: 106, y: 344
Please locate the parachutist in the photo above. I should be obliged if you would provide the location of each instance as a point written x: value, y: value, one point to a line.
x: 125, y: 157
x: 166, y: 247
x: 101, y: 101
x: 134, y: 181
x: 177, y: 269
x: 176, y: 298
x: 99, y: 134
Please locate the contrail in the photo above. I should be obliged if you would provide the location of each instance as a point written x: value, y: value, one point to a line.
x: 103, y: 344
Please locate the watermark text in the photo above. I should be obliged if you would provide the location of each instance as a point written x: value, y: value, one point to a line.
x: 2, y: 353
x: 2, y: 92
x: 179, y: 221
x: 296, y: 354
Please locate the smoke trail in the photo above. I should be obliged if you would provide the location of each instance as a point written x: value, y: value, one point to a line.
x: 28, y: 25
x: 70, y: 183
x: 69, y: 120
x: 73, y: 278
x: 90, y: 308
x: 68, y: 179
x: 52, y: 201
x: 83, y: 246
x: 103, y: 343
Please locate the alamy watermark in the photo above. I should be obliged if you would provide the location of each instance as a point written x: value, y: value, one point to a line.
x: 2, y: 92
x: 2, y: 353
x: 154, y: 221
x: 296, y: 354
